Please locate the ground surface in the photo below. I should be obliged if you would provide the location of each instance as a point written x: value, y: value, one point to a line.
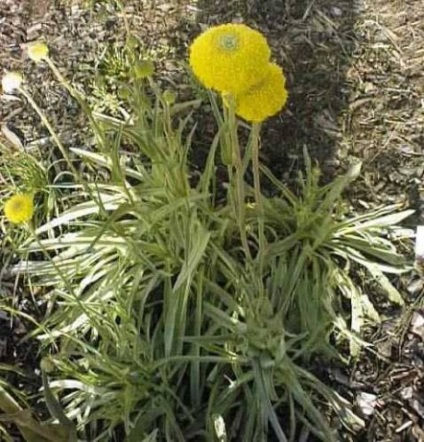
x: 356, y: 82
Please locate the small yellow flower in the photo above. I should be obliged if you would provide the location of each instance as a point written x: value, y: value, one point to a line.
x: 264, y: 99
x: 37, y: 51
x: 230, y: 58
x: 19, y: 208
x: 11, y: 81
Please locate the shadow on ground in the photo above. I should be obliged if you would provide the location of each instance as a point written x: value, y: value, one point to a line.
x: 313, y: 41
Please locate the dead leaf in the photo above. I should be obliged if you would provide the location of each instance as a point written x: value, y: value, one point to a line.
x: 417, y: 324
x: 367, y: 403
x: 11, y: 135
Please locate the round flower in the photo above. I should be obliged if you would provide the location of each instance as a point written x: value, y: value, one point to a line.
x: 19, y: 208
x: 37, y: 51
x: 11, y: 81
x: 264, y: 99
x: 230, y: 58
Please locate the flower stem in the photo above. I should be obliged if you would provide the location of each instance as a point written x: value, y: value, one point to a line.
x: 50, y: 129
x: 257, y: 183
x: 78, y: 97
x: 240, y: 197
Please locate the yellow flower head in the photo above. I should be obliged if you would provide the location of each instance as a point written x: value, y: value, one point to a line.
x: 19, y: 208
x: 37, y: 51
x: 11, y: 81
x: 230, y: 58
x: 264, y: 99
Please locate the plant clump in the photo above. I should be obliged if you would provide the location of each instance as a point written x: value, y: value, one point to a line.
x: 176, y: 311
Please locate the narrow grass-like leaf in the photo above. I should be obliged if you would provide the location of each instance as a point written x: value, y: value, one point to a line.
x: 196, y: 254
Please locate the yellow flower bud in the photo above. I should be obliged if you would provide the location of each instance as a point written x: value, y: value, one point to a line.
x: 47, y: 365
x: 11, y: 81
x: 37, y: 51
x: 144, y: 69
x: 169, y: 97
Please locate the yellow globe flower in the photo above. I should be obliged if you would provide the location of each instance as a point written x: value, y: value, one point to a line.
x: 19, y: 208
x: 264, y: 99
x: 37, y: 51
x: 230, y: 58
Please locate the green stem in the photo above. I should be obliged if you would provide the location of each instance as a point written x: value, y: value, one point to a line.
x: 50, y: 129
x: 240, y: 197
x: 78, y: 97
x: 125, y: 19
x: 257, y: 183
